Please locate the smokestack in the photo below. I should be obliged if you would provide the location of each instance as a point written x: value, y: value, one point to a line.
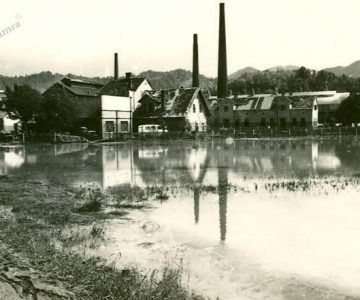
x: 128, y: 79
x: 222, y: 65
x: 195, y: 74
x: 116, y: 67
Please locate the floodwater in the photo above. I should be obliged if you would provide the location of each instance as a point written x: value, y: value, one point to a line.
x: 231, y: 220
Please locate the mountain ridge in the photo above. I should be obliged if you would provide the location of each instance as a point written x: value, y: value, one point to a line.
x: 163, y: 79
x: 352, y: 70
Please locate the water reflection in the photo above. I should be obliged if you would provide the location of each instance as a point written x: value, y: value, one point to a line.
x: 287, y: 231
x: 189, y: 165
x: 182, y: 163
x: 223, y: 187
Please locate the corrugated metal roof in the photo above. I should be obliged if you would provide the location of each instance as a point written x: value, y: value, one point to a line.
x: 259, y: 103
x: 267, y: 103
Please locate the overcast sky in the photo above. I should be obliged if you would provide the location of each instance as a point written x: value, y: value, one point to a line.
x: 80, y: 36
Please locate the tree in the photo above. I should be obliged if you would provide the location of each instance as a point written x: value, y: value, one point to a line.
x: 349, y: 110
x: 22, y: 103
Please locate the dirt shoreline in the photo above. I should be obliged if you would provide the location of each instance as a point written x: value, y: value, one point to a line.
x: 35, y: 260
x: 35, y: 218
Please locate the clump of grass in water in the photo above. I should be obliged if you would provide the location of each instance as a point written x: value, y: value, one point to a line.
x: 93, y: 200
x: 97, y: 231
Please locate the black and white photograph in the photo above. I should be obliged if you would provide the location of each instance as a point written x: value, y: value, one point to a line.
x: 179, y: 150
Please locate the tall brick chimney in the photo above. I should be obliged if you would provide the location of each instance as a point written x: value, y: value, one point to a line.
x: 128, y: 79
x: 195, y: 74
x: 116, y: 66
x: 222, y: 64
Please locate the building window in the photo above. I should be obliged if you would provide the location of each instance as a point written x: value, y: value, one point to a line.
x: 315, y: 107
x: 246, y: 122
x: 124, y: 126
x: 303, y: 122
x: 263, y: 122
x: 194, y: 108
x: 294, y: 122
x: 109, y: 126
x: 226, y: 123
x: 282, y: 107
x: 226, y: 108
x: 196, y: 127
x: 203, y: 126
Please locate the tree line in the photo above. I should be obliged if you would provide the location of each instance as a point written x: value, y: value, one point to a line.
x: 302, y: 79
x: 56, y: 112
x: 52, y: 112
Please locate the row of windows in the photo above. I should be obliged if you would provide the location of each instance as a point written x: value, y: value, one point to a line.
x: 110, y: 126
x: 200, y: 108
x: 198, y: 126
x: 271, y: 122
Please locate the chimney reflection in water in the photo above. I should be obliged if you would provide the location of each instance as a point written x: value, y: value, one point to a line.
x: 196, y: 203
x: 223, y: 183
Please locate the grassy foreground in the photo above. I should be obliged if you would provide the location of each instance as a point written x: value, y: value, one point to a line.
x: 35, y: 219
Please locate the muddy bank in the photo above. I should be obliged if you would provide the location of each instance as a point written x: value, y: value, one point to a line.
x: 36, y: 222
x: 39, y: 225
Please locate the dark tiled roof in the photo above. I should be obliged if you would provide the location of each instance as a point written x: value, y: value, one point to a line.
x: 81, y: 88
x: 150, y: 95
x: 183, y: 100
x: 177, y: 101
x: 120, y: 87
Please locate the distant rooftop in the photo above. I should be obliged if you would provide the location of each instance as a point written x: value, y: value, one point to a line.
x: 177, y: 101
x: 80, y: 87
x: 120, y: 87
x: 267, y: 102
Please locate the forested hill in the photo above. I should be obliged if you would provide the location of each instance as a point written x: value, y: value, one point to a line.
x: 301, y: 79
x: 243, y: 81
x: 170, y: 79
x: 42, y: 81
x: 175, y: 79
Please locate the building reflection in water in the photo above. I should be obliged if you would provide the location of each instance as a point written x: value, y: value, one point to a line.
x: 182, y: 164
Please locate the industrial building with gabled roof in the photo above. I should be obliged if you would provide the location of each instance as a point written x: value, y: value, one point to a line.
x: 276, y: 111
x: 179, y: 109
x: 85, y: 97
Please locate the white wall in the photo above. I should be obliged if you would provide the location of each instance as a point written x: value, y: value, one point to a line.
x: 9, y: 123
x: 115, y: 109
x: 197, y: 116
x: 136, y: 95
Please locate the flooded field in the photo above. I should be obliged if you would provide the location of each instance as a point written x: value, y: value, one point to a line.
x: 261, y: 218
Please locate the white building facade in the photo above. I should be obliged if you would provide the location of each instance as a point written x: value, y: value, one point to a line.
x: 119, y: 99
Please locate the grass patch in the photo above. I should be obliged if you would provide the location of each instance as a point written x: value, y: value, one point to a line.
x: 39, y: 217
